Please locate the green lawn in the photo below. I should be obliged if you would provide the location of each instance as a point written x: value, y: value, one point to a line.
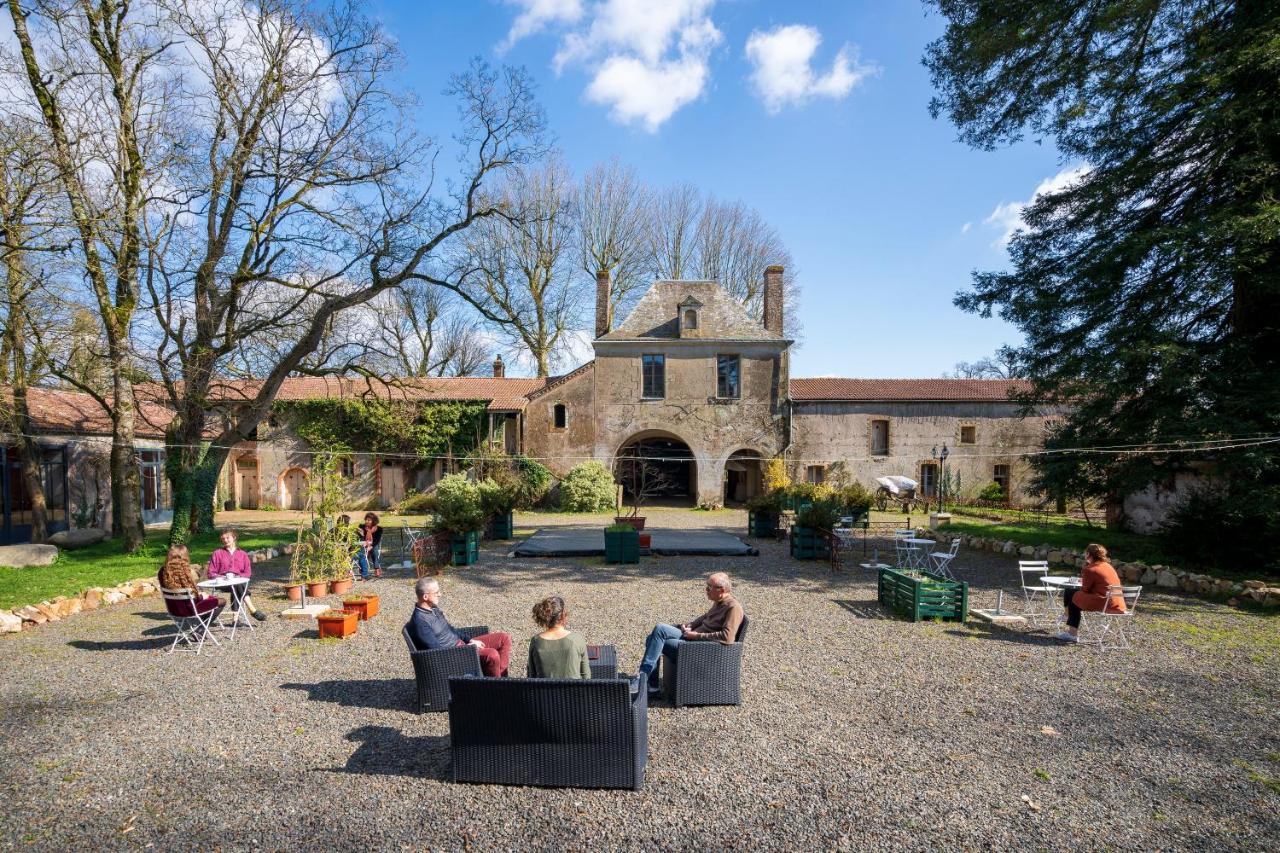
x: 103, y: 565
x: 1073, y: 535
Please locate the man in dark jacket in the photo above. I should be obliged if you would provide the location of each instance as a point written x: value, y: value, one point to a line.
x: 431, y: 630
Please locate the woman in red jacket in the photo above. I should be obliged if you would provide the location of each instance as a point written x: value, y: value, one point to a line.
x: 1093, y: 594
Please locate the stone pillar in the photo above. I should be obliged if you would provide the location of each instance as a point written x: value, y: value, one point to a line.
x: 604, y: 318
x: 499, y: 369
x: 710, y: 474
x: 773, y: 299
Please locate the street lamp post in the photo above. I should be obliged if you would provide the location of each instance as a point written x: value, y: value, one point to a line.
x: 942, y: 468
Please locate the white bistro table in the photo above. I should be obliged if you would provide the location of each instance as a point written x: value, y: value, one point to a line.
x: 1063, y: 585
x: 919, y: 553
x: 225, y: 584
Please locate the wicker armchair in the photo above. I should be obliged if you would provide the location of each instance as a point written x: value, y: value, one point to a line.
x: 433, y: 667
x: 552, y: 732
x: 705, y: 673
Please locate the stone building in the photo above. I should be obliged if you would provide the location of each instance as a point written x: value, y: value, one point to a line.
x: 689, y: 382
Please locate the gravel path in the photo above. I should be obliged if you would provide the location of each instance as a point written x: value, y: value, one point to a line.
x: 858, y: 730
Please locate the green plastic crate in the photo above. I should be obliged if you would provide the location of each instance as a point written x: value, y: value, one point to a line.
x: 622, y: 546
x: 501, y: 526
x: 465, y: 548
x: 923, y: 596
x: 764, y: 524
x: 808, y: 544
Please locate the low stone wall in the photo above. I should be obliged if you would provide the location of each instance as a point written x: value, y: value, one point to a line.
x: 12, y: 621
x: 1159, y: 576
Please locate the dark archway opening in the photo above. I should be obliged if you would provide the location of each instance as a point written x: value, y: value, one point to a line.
x: 743, y: 477
x: 657, y: 470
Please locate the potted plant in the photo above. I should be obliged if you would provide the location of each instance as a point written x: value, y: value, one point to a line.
x: 763, y: 512
x: 336, y: 623
x: 621, y: 544
x: 459, y: 514
x: 323, y: 549
x: 807, y: 541
x: 640, y: 480
x: 364, y: 606
x: 498, y: 496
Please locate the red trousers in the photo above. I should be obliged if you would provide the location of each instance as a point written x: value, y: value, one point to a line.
x: 496, y: 653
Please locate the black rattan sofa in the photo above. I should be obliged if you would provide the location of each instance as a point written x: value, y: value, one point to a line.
x: 432, y: 668
x: 705, y: 673
x: 552, y: 732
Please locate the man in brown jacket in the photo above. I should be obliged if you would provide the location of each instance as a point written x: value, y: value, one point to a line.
x: 719, y: 624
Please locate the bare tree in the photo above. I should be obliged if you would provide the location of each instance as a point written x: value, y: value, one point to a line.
x: 734, y: 246
x: 673, y: 232
x: 422, y: 330
x: 613, y: 214
x: 519, y: 275
x: 93, y: 73
x: 29, y: 225
x: 1002, y: 365
x: 305, y: 198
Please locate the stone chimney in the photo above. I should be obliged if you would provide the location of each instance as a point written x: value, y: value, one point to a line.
x: 499, y: 369
x: 773, y: 299
x: 604, y: 319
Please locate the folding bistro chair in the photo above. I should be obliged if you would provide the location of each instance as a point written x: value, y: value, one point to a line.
x: 193, y: 626
x: 1115, y: 625
x: 941, y: 560
x: 1032, y: 574
x: 902, y: 558
x: 409, y: 538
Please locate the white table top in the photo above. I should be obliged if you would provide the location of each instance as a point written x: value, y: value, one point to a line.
x: 1062, y: 582
x: 222, y: 582
x: 914, y: 541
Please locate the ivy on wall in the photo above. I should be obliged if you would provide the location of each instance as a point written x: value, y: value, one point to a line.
x: 430, y: 428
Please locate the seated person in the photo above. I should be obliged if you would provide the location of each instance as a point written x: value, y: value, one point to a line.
x: 178, y: 574
x: 430, y: 630
x: 719, y: 624
x: 370, y: 537
x: 557, y: 652
x: 230, y: 560
x: 1097, y: 575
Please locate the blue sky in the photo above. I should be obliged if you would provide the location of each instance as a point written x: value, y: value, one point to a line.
x: 885, y: 214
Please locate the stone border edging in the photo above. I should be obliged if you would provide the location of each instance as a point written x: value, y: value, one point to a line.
x: 31, y: 615
x: 1137, y: 572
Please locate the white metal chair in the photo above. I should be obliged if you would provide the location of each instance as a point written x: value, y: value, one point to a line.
x: 193, y: 629
x: 1032, y: 574
x: 942, y: 559
x: 1115, y: 624
x: 409, y: 538
x: 902, y: 550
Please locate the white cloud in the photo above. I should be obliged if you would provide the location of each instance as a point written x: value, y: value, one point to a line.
x: 964, y: 229
x: 537, y: 15
x: 784, y: 74
x: 646, y: 58
x: 1008, y: 214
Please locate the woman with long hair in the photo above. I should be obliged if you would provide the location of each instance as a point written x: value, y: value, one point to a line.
x: 177, y: 574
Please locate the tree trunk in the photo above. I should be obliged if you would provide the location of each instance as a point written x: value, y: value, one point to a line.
x: 29, y: 460
x: 126, y: 479
x: 193, y: 475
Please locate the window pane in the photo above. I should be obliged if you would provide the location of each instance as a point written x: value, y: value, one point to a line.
x: 653, y: 368
x: 562, y: 417
x: 727, y: 370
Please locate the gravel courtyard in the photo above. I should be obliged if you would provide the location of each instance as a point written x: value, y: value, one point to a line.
x: 858, y: 729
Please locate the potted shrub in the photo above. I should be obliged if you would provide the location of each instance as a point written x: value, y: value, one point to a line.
x: 807, y: 542
x: 763, y: 512
x: 621, y: 544
x: 336, y: 623
x: 640, y: 480
x: 460, y: 515
x: 498, y: 496
x: 364, y: 606
x: 323, y: 548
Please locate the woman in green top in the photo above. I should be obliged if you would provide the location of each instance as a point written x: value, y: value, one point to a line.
x: 557, y: 652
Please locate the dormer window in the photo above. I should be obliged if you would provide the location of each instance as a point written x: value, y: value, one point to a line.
x: 687, y: 317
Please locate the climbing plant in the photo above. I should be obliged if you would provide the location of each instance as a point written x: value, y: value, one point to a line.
x: 429, y: 428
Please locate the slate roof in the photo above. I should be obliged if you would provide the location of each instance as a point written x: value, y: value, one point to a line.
x: 952, y: 390
x: 502, y: 394
x: 721, y: 316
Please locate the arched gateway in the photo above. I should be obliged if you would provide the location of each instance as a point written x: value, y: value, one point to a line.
x: 659, y: 465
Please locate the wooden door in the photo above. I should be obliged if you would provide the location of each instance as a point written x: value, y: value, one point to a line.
x: 247, y: 492
x: 393, y: 481
x: 294, y: 489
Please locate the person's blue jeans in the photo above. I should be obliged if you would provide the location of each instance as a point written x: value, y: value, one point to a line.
x: 662, y: 640
x: 375, y: 556
x: 363, y: 562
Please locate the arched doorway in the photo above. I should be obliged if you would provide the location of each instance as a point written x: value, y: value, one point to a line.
x: 743, y: 476
x: 293, y: 489
x: 657, y: 466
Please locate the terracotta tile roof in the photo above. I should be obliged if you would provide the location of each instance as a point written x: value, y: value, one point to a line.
x: 557, y: 381
x: 969, y: 390
x: 501, y: 394
x: 58, y: 411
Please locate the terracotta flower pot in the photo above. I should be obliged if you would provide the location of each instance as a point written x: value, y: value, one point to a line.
x: 336, y: 623
x: 315, y: 590
x: 645, y: 540
x: 341, y: 586
x: 636, y: 521
x: 365, y: 607
x: 294, y: 591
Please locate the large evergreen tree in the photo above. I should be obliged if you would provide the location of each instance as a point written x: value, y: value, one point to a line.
x: 1149, y: 289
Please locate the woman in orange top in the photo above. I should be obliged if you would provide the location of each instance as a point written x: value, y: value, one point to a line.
x: 1093, y: 594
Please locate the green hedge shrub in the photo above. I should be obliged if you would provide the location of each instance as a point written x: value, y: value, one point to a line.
x: 588, y: 487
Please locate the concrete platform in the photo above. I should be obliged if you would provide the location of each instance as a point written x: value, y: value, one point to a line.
x: 589, y: 542
x: 1004, y: 619
x: 297, y: 611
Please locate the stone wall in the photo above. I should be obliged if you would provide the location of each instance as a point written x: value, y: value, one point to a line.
x: 1145, y: 511
x: 827, y: 433
x: 561, y: 449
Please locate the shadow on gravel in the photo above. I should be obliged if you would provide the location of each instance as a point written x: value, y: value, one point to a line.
x: 986, y: 632
x: 153, y: 638
x: 868, y: 608
x: 384, y: 751
x: 382, y: 694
